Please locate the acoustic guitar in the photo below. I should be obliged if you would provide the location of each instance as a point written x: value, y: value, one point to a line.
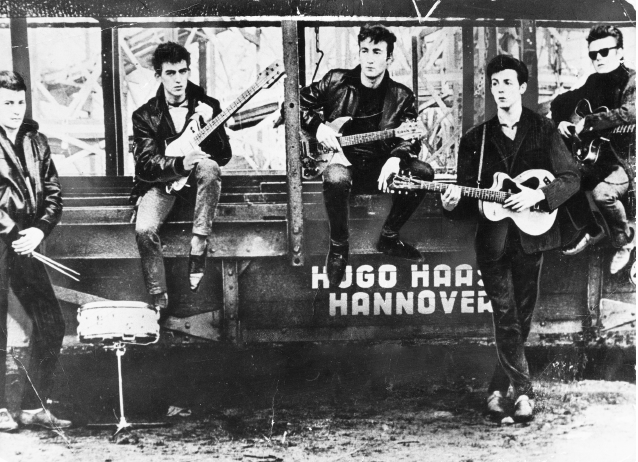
x: 532, y: 221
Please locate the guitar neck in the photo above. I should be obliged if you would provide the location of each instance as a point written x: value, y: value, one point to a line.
x: 627, y: 128
x: 228, y: 112
x: 351, y: 140
x: 488, y: 195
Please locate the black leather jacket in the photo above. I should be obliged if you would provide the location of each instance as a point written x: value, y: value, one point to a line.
x: 152, y: 125
x: 337, y: 96
x: 30, y: 198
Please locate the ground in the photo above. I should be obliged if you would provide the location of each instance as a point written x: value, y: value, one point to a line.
x: 577, y: 421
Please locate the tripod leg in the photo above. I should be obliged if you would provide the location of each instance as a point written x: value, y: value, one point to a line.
x: 123, y: 423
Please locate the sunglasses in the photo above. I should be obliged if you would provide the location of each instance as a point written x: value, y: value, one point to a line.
x: 603, y: 52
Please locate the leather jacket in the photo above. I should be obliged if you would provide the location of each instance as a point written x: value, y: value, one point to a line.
x: 152, y: 126
x: 31, y: 196
x: 337, y: 96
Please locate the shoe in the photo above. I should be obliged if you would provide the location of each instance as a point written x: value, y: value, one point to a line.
x: 196, y: 269
x: 582, y: 244
x: 336, y: 263
x: 7, y: 424
x: 621, y: 258
x: 160, y: 302
x: 524, y: 409
x: 395, y: 247
x: 42, y: 418
x: 623, y: 255
x: 496, y: 404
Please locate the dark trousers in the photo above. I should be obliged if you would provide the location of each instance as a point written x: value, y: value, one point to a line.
x: 340, y: 181
x: 511, y: 283
x: 607, y: 195
x: 31, y: 285
x: 156, y: 204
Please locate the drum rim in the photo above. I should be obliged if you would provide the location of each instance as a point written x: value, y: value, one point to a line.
x: 116, y: 304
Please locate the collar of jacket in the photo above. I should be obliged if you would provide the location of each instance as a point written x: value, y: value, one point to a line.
x: 353, y: 77
x: 193, y: 93
x: 27, y: 126
x: 494, y: 127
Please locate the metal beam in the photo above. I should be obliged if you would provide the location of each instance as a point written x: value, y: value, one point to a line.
x: 230, y: 281
x: 595, y: 278
x: 291, y: 114
x: 115, y: 144
x: 20, y: 57
x: 467, y: 38
x: 415, y: 71
x: 530, y: 57
x: 491, y: 50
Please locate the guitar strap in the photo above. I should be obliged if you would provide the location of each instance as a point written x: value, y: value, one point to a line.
x: 480, y: 169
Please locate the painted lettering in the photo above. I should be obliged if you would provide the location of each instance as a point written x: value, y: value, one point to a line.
x: 341, y: 303
x: 387, y: 276
x: 467, y: 301
x: 442, y: 276
x: 426, y: 302
x: 365, y: 276
x: 448, y: 303
x: 360, y: 304
x: 405, y: 302
x: 423, y: 275
x: 383, y: 304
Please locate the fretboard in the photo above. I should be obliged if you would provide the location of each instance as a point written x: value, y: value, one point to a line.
x: 228, y: 112
x: 351, y: 140
x: 488, y: 195
x: 628, y: 128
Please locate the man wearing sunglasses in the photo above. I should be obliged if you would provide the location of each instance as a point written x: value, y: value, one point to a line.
x: 613, y: 86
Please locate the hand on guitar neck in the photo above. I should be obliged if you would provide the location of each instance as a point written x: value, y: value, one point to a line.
x: 523, y: 200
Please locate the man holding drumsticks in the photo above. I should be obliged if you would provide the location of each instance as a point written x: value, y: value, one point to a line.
x: 30, y: 206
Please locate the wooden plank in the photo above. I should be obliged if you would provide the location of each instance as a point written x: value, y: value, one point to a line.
x: 293, y: 126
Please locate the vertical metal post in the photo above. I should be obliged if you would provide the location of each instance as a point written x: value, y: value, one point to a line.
x: 230, y: 281
x: 491, y: 50
x: 293, y: 162
x: 467, y: 39
x: 595, y: 277
x: 530, y: 58
x: 301, y: 41
x: 415, y: 71
x: 115, y: 145
x: 20, y: 57
x: 202, y: 48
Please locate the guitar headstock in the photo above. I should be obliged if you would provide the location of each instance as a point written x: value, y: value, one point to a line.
x: 410, y: 130
x: 271, y: 74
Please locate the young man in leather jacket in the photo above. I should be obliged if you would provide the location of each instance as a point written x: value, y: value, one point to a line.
x: 177, y: 102
x: 30, y: 207
x: 375, y: 102
x: 612, y: 86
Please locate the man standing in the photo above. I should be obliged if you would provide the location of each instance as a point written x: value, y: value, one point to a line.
x: 514, y: 141
x: 177, y: 102
x: 612, y: 86
x: 30, y: 206
x: 375, y: 102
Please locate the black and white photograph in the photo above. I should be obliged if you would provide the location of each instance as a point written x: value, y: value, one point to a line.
x: 318, y: 230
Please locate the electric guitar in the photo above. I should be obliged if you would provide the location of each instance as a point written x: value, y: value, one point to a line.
x: 192, y: 135
x: 586, y: 146
x: 532, y: 221
x: 315, y: 157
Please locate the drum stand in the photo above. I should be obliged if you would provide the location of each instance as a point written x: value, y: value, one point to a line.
x: 120, y: 349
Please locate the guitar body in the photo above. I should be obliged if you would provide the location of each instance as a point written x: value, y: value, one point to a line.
x: 179, y: 146
x: 586, y: 146
x: 531, y: 221
x: 315, y: 157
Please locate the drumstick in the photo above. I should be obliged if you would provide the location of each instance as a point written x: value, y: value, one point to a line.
x: 38, y: 257
x: 52, y: 261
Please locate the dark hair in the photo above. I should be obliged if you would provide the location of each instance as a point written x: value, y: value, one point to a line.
x: 12, y: 81
x: 169, y: 52
x: 503, y: 62
x: 378, y: 33
x: 600, y: 32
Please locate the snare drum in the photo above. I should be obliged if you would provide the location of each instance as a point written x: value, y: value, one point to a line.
x: 110, y: 322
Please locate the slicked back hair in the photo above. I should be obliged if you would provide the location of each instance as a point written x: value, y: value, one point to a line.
x: 169, y: 52
x: 12, y: 81
x: 601, y: 31
x: 503, y: 62
x: 378, y: 33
